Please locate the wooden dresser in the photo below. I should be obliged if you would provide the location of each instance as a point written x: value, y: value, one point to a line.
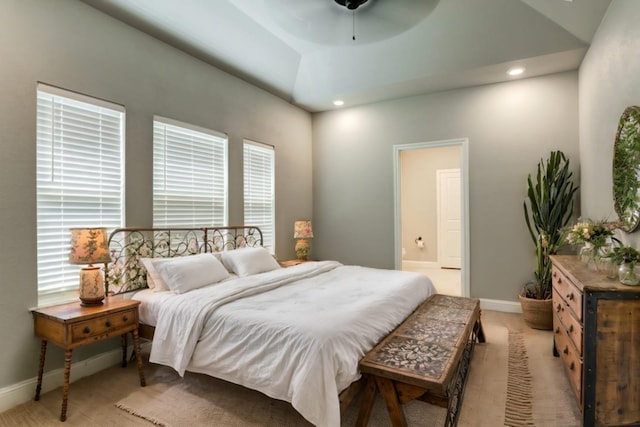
x: 596, y: 330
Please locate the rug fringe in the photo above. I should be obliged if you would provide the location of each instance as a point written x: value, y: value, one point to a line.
x: 518, y: 409
x: 134, y: 413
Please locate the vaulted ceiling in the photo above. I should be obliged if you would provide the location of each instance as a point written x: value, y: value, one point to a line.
x: 304, y: 50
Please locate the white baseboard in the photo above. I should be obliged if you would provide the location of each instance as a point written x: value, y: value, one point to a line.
x: 500, y: 305
x: 24, y: 391
x: 419, y: 264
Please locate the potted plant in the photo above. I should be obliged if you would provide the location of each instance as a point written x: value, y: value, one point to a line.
x: 547, y: 210
x: 627, y: 258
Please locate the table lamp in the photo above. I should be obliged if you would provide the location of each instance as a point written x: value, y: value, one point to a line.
x: 89, y: 246
x: 302, y: 231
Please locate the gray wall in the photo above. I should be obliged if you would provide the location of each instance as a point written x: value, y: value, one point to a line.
x: 609, y: 82
x: 68, y: 44
x: 510, y: 126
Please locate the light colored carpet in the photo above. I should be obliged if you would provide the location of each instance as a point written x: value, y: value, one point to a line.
x: 199, y: 400
x: 503, y: 357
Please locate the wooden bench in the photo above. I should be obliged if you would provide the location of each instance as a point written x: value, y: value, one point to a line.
x: 426, y: 357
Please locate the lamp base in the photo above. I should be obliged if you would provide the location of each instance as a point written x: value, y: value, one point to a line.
x: 302, y: 249
x: 91, y: 302
x: 91, y: 286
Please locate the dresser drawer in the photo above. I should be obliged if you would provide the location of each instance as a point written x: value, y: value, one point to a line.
x: 568, y: 292
x: 567, y: 321
x: 570, y: 358
x: 113, y: 324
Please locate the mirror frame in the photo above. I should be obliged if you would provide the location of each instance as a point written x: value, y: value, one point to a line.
x: 626, y: 169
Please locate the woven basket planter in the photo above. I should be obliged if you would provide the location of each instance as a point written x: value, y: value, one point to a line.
x: 537, y: 313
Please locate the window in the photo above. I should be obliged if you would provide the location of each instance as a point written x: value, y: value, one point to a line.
x: 259, y: 194
x: 79, y: 156
x: 189, y: 175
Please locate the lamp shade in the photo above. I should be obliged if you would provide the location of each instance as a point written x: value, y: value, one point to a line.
x: 89, y: 246
x: 302, y: 229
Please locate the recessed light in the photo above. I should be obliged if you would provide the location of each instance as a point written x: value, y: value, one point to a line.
x: 338, y: 102
x: 516, y: 71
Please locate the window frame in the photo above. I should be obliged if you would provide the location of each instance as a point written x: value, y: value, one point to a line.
x: 63, y: 121
x: 194, y: 131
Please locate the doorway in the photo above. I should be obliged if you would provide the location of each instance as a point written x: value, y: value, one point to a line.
x: 431, y: 212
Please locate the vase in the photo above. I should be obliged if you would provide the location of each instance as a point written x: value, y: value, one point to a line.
x: 602, y: 260
x: 587, y: 255
x: 629, y: 274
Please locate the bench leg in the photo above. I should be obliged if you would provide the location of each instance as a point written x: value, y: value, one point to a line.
x: 480, y: 332
x: 388, y: 391
x: 368, y: 398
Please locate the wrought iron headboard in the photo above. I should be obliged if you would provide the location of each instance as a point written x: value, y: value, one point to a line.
x: 125, y: 272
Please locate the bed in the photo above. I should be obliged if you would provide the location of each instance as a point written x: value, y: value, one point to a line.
x: 295, y: 334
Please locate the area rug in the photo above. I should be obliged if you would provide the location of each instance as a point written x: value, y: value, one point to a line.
x: 500, y: 391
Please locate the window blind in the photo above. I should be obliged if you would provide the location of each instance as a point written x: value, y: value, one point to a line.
x: 79, y: 156
x: 189, y: 175
x: 259, y: 193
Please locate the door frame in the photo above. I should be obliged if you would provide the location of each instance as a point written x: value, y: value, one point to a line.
x: 463, y: 143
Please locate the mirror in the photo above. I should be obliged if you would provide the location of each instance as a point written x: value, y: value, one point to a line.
x: 626, y: 169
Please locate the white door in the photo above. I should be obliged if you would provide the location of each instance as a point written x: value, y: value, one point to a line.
x: 449, y: 218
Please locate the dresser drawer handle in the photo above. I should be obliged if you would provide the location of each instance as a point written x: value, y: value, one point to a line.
x: 108, y: 323
x: 125, y: 318
x: 570, y: 296
x: 558, y: 308
x: 570, y: 328
x: 555, y: 274
x: 566, y: 350
x: 559, y: 280
x: 86, y: 330
x: 572, y: 366
x: 557, y: 329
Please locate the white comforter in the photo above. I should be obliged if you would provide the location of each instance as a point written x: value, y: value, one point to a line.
x: 295, y: 333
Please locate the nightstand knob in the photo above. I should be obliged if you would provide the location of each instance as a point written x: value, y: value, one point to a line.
x: 108, y: 323
x: 86, y: 330
x: 566, y: 350
x: 572, y: 366
x: 125, y: 318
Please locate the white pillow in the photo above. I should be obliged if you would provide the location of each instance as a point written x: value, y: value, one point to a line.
x: 154, y: 280
x: 184, y: 274
x: 247, y: 261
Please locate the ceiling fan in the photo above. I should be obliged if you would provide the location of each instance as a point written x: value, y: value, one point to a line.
x: 326, y: 22
x: 351, y: 4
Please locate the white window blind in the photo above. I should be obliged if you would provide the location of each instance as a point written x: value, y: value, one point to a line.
x: 259, y: 189
x: 79, y: 156
x: 189, y: 175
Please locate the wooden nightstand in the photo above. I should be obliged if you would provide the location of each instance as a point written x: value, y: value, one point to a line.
x: 292, y: 262
x: 71, y: 325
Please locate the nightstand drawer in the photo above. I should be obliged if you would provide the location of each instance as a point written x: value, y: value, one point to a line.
x: 113, y: 324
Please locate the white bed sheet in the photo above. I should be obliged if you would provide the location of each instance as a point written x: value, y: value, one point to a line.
x: 295, y: 339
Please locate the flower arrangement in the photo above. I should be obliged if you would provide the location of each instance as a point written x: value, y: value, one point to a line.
x: 597, y: 234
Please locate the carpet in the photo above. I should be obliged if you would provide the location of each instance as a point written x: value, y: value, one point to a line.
x: 502, y: 389
x: 198, y: 400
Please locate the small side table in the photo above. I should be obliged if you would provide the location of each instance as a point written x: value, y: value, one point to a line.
x: 71, y: 325
x: 292, y: 262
